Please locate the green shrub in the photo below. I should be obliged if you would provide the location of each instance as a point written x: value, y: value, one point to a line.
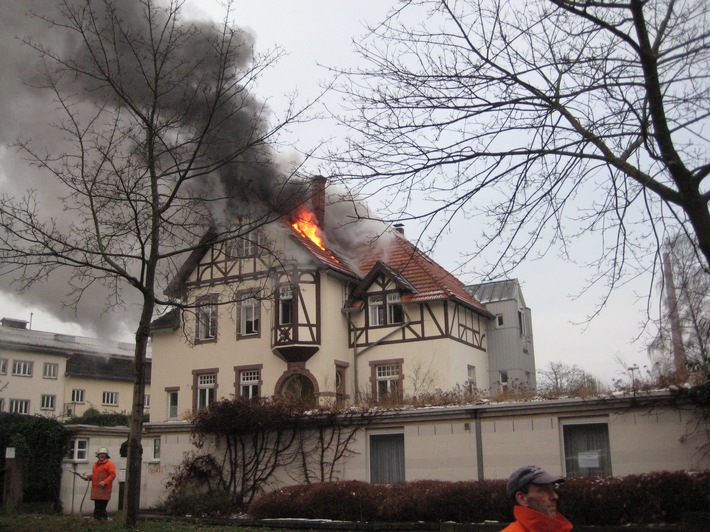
x: 101, y: 419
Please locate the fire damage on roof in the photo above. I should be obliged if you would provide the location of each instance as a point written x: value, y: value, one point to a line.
x: 419, y: 277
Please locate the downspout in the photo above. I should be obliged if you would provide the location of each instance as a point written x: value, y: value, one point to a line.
x: 356, y: 354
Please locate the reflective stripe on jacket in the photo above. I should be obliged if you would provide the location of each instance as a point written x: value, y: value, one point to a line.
x: 103, y: 471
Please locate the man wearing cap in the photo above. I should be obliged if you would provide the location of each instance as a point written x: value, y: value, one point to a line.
x: 101, y: 478
x: 533, y: 493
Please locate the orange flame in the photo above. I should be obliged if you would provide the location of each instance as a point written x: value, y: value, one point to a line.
x: 306, y: 225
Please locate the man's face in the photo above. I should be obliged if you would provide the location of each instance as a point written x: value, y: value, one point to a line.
x: 102, y: 456
x: 540, y: 497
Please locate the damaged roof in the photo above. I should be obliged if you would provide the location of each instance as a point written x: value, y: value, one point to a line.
x: 112, y: 368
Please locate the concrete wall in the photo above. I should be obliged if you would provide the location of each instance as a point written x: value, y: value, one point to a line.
x: 449, y: 443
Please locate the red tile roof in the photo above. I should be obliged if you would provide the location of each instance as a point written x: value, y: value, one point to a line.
x: 429, y: 279
x: 420, y: 277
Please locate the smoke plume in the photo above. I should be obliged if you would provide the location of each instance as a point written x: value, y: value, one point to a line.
x: 29, y: 111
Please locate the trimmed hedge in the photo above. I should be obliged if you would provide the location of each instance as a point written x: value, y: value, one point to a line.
x: 653, y: 498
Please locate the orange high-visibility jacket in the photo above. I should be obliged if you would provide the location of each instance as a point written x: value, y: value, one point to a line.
x: 105, y: 471
x: 528, y: 520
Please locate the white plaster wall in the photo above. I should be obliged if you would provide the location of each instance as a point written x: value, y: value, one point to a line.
x: 642, y: 440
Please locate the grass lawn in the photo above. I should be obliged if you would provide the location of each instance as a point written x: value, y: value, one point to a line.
x: 53, y: 523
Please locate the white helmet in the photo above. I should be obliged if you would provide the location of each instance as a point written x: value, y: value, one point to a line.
x: 102, y: 450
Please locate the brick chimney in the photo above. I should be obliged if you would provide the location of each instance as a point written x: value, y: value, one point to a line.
x: 318, y: 199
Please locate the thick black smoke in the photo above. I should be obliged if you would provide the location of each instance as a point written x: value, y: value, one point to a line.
x: 28, y: 111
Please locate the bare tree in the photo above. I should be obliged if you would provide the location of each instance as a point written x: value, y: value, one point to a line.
x: 162, y: 138
x: 550, y: 119
x: 559, y: 380
x: 682, y: 339
x: 325, y: 441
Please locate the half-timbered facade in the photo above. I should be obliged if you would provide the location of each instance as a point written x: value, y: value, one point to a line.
x: 282, y: 312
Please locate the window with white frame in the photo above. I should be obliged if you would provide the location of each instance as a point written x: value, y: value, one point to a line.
x: 50, y: 370
x: 3, y: 366
x: 207, y: 312
x: 49, y: 402
x: 586, y: 447
x: 78, y: 449
x: 146, y: 401
x: 249, y: 383
x: 521, y: 322
x: 472, y: 377
x: 499, y: 320
x: 375, y: 311
x: 248, y: 317
x: 109, y: 399
x: 340, y: 388
x: 172, y: 403
x: 156, y: 448
x: 503, y: 381
x: 77, y: 396
x: 386, y: 458
x: 285, y: 305
x: 206, y: 384
x: 388, y: 380
x: 250, y: 245
x: 19, y: 406
x: 395, y: 312
x: 22, y: 368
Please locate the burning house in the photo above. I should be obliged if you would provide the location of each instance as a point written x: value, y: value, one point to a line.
x: 317, y: 306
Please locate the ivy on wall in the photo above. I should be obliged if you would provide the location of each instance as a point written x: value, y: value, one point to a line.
x: 40, y: 445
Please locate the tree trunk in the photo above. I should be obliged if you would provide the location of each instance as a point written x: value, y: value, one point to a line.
x: 135, y: 449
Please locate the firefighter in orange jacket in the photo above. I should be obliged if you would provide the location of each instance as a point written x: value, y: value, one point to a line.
x: 101, y: 478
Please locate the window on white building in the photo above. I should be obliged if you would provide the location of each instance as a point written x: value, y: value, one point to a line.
x: 19, y: 406
x: 472, y: 377
x: 207, y: 311
x: 206, y: 384
x: 499, y: 320
x: 587, y: 450
x: 156, y: 448
x: 109, y: 399
x: 78, y: 449
x: 22, y: 368
x: 50, y: 370
x: 249, y: 317
x: 77, y: 396
x: 386, y: 458
x: 388, y: 378
x: 172, y: 404
x: 285, y: 305
x: 504, y: 381
x: 249, y: 383
x: 395, y: 312
x: 340, y: 388
x: 146, y: 401
x: 376, y: 311
x: 250, y: 245
x: 49, y: 402
x: 3, y: 366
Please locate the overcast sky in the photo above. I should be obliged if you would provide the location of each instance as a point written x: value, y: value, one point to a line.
x: 319, y: 32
